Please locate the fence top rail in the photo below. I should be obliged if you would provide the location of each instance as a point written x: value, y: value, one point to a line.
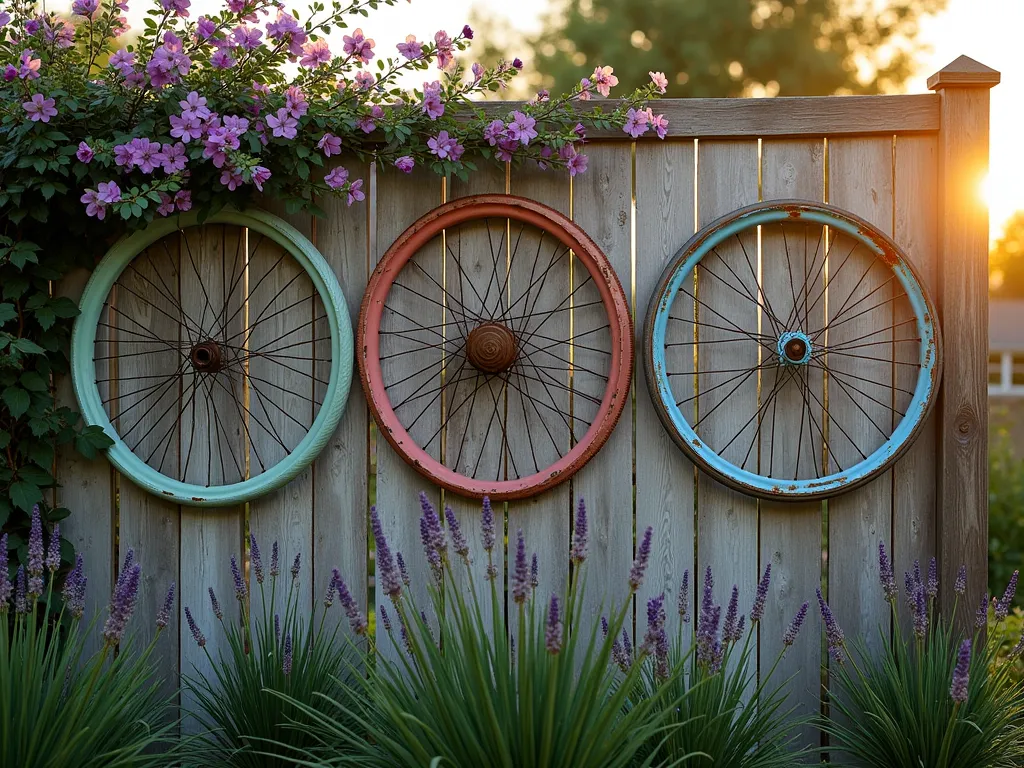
x: 787, y: 116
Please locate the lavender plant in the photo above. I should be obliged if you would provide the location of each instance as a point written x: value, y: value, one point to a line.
x: 722, y: 714
x: 246, y: 723
x: 539, y: 690
x: 932, y: 697
x: 59, y: 704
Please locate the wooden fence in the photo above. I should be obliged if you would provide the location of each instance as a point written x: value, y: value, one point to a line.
x: 908, y: 164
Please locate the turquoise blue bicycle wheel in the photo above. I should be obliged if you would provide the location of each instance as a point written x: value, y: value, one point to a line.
x: 217, y: 356
x: 792, y: 351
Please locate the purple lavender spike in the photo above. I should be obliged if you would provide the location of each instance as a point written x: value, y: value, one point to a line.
x: 126, y: 567
x: 683, y: 599
x: 402, y: 569
x: 487, y: 525
x: 6, y: 589
x: 909, y: 589
x: 433, y: 558
x: 981, y: 617
x: 459, y: 543
x: 275, y: 561
x: 729, y: 629
x: 604, y: 626
x: 553, y: 632
x: 53, y: 552
x: 655, y: 622
x: 122, y: 605
x: 932, y: 587
x: 332, y: 588
x: 74, y: 588
x: 385, y: 620
x: 356, y: 619
x: 960, y: 586
x: 534, y: 572
x: 794, y: 626
x: 437, y: 540
x: 643, y: 555
x: 757, y: 611
x: 390, y: 579
x: 961, y: 673
x: 286, y: 662
x: 520, y: 575
x: 619, y: 656
x: 886, y: 574
x: 197, y: 635
x: 1003, y: 606
x: 35, y: 556
x: 215, y: 604
x: 255, y: 558
x: 1017, y: 649
x: 578, y: 551
x: 163, y: 616
x: 236, y: 574
x: 921, y: 612
x: 833, y: 632
x: 296, y: 566
x: 627, y: 645
x: 277, y: 629
x: 20, y: 601
x: 707, y: 598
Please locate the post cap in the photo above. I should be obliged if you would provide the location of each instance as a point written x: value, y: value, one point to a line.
x: 964, y: 72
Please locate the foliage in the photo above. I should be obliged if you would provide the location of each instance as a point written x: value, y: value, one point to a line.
x: 474, y: 691
x: 935, y: 697
x: 725, y: 717
x: 58, y: 705
x: 246, y: 719
x: 1006, y: 261
x: 731, y: 47
x: 1005, y: 505
x: 206, y: 111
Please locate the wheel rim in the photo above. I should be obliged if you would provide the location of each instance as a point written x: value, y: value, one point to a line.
x: 840, y: 335
x: 496, y: 347
x: 219, y: 375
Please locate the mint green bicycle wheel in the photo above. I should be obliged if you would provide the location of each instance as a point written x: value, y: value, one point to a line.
x: 217, y: 356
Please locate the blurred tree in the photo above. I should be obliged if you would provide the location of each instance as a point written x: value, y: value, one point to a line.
x: 1006, y: 261
x: 728, y: 47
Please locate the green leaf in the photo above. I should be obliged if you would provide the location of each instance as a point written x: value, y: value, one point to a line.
x: 7, y: 312
x: 34, y: 382
x: 5, y: 439
x: 35, y: 475
x: 41, y: 453
x: 57, y: 514
x: 28, y: 346
x: 45, y: 317
x: 91, y: 440
x: 25, y: 495
x: 17, y: 400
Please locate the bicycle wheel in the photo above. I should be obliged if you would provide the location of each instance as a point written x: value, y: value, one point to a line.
x: 792, y: 351
x: 496, y: 347
x: 216, y: 355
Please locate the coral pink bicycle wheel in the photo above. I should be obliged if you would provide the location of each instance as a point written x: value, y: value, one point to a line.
x: 496, y: 347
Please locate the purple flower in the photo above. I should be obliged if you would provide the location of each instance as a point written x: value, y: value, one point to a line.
x: 886, y: 575
x: 222, y: 59
x: 459, y: 543
x: 658, y: 123
x: 332, y: 587
x: 534, y: 571
x: 920, y: 612
x: 296, y: 566
x: 277, y: 628
x: 833, y: 632
x: 74, y: 587
x: 53, y: 552
x: 960, y: 585
x: 179, y: 7
x: 32, y: 26
x: 619, y: 655
x: 84, y: 8
x: 432, y: 105
x: 329, y: 144
x: 260, y: 176
x: 517, y: 63
x: 656, y: 639
x: 236, y: 575
x: 183, y: 200
x: 164, y: 614
x: 248, y: 38
x: 643, y: 555
x: 487, y: 519
x: 20, y: 602
x: 389, y: 576
x: 443, y: 45
x: 356, y: 619
x: 355, y: 192
x: 275, y: 567
x: 627, y: 646
x: 255, y: 558
x: 166, y: 207
x: 478, y: 72
x: 364, y: 80
x: 636, y: 123
x: 28, y: 68
x: 578, y: 551
x: 1003, y: 605
x: 5, y: 18
x: 122, y: 605
x: 554, y: 631
x: 336, y: 178
x: 520, y: 574
x: 402, y: 569
x: 84, y: 153
x: 283, y: 124
x: 185, y: 128
x: 683, y: 599
x: 168, y: 62
x: 358, y: 47
x: 40, y: 108
x: 729, y: 629
x: 286, y: 662
x: 315, y: 54
x: 385, y: 620
x: 467, y: 32
x: 794, y: 626
x: 932, y: 587
x: 445, y: 146
x: 981, y: 617
x: 205, y: 28
x: 215, y: 604
x: 10, y: 73
x: 506, y: 149
x: 521, y: 128
x: 123, y: 61
x: 575, y: 162
x: 961, y: 673
x: 410, y: 49
x: 35, y: 544
x: 5, y: 579
x: 108, y: 192
x: 404, y: 164
x: 494, y: 132
x: 173, y: 157
x: 93, y: 205
x: 367, y: 123
x: 709, y: 647
x: 757, y: 611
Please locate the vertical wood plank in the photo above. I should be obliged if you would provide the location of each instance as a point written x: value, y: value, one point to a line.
x: 401, y: 199
x: 470, y: 430
x: 209, y: 536
x: 791, y: 533
x: 341, y: 471
x: 282, y: 314
x: 602, y: 206
x: 860, y: 181
x: 664, y: 476
x: 914, y: 476
x: 86, y: 488
x: 727, y: 520
x: 544, y: 519
x: 963, y: 306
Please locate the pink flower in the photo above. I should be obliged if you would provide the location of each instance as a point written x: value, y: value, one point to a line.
x: 506, y: 149
x: 123, y: 61
x: 222, y: 59
x: 659, y: 80
x: 5, y: 18
x: 330, y: 144
x: 29, y: 67
x: 40, y: 108
x: 358, y: 47
x: 186, y: 128
x: 585, y: 86
x: 205, y: 28
x: 183, y: 200
x: 194, y: 105
x: 84, y: 153
x: 336, y: 178
x: 355, y: 191
x: 445, y: 146
x: 444, y: 50
x: 93, y: 205
x: 658, y: 123
x: 283, y: 124
x: 246, y: 37
x: 494, y: 132
x: 365, y: 80
x: 404, y: 164
x: 179, y: 7
x: 168, y: 62
x: 62, y: 33
x: 367, y: 123
x: 478, y: 72
x: 231, y: 179
x: 575, y: 162
x: 545, y: 155
x: 410, y: 49
x: 174, y: 157
x: 521, y: 128
x: 260, y: 176
x: 295, y: 102
x: 236, y: 6
x: 315, y: 55
x: 83, y: 8
x: 604, y: 80
x: 166, y: 207
x: 636, y: 123
x: 108, y: 192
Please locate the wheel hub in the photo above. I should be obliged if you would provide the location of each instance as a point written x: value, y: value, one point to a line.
x: 491, y: 348
x: 794, y: 348
x: 206, y: 357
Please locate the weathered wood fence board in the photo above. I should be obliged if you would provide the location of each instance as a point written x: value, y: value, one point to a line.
x: 887, y: 159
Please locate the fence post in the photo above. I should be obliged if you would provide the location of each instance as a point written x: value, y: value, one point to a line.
x: 963, y: 87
